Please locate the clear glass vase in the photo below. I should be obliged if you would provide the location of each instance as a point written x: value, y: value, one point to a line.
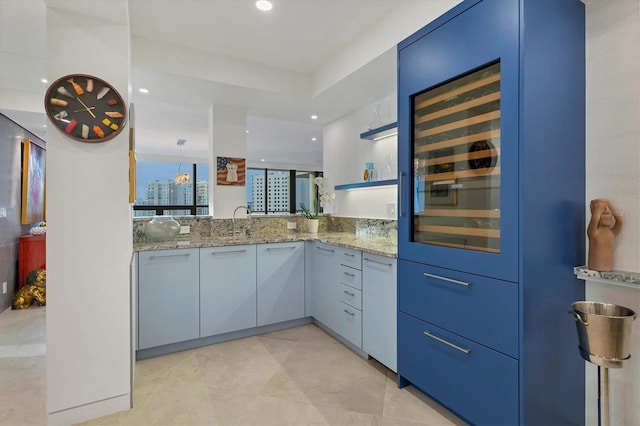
x: 162, y: 228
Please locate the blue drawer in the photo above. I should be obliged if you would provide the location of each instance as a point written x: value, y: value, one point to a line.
x: 481, y: 386
x: 485, y: 310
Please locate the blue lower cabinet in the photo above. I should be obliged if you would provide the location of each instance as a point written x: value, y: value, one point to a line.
x: 476, y: 382
x: 168, y: 286
x: 482, y: 309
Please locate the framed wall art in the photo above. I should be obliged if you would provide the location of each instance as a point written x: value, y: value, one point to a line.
x: 231, y: 171
x: 33, y: 171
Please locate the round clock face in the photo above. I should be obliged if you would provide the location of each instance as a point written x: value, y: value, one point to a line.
x: 85, y: 108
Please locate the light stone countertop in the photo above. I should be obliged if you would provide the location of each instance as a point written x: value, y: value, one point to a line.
x: 375, y: 245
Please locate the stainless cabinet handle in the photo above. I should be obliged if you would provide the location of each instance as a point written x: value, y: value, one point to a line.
x: 438, y: 277
x: 349, y: 274
x: 281, y: 248
x: 466, y: 351
x: 160, y: 256
x: 377, y: 261
x: 228, y: 252
x: 349, y: 254
x: 350, y: 313
x: 349, y: 294
x: 322, y: 248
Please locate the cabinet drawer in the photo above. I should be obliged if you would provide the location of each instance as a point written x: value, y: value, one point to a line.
x: 481, y: 309
x: 349, y: 276
x: 349, y: 324
x: 351, y: 296
x: 480, y: 385
x: 349, y: 257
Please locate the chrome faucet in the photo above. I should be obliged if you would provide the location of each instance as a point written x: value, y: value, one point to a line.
x: 233, y: 219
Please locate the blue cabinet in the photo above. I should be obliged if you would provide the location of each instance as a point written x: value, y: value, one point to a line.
x: 280, y: 284
x: 491, y: 125
x: 227, y: 289
x: 325, y: 264
x: 337, y: 291
x: 472, y: 380
x: 168, y: 286
x: 379, y: 308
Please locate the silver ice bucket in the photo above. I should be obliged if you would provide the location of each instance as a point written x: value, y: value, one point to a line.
x: 604, y: 331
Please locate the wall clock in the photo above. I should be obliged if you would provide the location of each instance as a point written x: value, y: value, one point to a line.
x: 85, y: 108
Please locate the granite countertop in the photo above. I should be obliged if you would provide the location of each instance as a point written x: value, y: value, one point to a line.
x: 374, y: 245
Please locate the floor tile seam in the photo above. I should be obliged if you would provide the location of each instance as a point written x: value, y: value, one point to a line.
x: 335, y: 407
x: 281, y: 363
x: 423, y: 406
x: 328, y: 344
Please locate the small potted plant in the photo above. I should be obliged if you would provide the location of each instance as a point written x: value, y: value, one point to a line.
x: 313, y: 212
x: 312, y: 216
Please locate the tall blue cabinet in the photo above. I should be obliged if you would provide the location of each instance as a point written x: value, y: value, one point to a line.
x: 491, y: 121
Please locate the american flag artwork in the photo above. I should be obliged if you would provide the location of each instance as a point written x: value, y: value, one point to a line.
x: 231, y: 171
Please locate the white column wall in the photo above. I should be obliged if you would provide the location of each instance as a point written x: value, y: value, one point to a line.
x: 344, y: 158
x: 89, y: 241
x: 613, y: 171
x: 228, y: 138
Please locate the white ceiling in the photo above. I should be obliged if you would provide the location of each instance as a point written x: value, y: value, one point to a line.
x: 324, y: 57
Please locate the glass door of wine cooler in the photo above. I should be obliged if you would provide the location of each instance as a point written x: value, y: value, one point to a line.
x: 456, y: 160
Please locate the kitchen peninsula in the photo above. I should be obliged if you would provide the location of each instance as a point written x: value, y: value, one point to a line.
x: 213, y: 284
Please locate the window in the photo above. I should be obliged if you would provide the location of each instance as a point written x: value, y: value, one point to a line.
x: 158, y: 194
x: 271, y: 191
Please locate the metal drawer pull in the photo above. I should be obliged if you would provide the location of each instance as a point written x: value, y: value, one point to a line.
x: 350, y: 254
x: 159, y: 256
x: 281, y: 248
x: 466, y: 351
x: 350, y: 313
x: 227, y: 252
x: 322, y: 248
x: 438, y: 277
x: 349, y: 294
x: 377, y: 261
x: 349, y: 274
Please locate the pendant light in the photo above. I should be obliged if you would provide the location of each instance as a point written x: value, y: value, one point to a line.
x: 181, y: 177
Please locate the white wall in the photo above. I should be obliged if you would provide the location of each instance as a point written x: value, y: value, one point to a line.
x: 344, y: 158
x: 613, y: 171
x: 228, y: 138
x: 89, y: 232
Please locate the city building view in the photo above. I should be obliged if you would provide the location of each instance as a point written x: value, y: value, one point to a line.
x: 268, y: 191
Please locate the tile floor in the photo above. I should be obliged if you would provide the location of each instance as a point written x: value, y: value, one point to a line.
x: 299, y: 376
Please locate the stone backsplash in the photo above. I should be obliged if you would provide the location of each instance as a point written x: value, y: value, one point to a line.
x: 262, y: 226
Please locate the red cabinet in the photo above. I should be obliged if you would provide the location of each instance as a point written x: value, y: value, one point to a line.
x: 31, y: 255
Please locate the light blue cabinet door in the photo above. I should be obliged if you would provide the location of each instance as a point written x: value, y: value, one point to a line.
x: 309, y: 277
x: 325, y: 296
x: 280, y: 282
x: 227, y: 289
x: 379, y: 308
x: 167, y: 297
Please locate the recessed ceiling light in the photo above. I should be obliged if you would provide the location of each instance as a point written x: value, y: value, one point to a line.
x: 262, y: 159
x: 44, y: 125
x: 143, y: 90
x: 314, y: 117
x: 247, y: 130
x: 264, y: 5
x: 314, y: 139
x: 44, y: 80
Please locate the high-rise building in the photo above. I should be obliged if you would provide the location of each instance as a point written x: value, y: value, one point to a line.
x: 166, y: 192
x: 277, y: 192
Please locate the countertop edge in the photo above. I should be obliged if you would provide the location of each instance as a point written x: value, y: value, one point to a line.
x: 373, y: 245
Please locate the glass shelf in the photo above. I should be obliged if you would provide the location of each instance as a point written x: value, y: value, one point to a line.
x: 368, y: 184
x: 381, y: 132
